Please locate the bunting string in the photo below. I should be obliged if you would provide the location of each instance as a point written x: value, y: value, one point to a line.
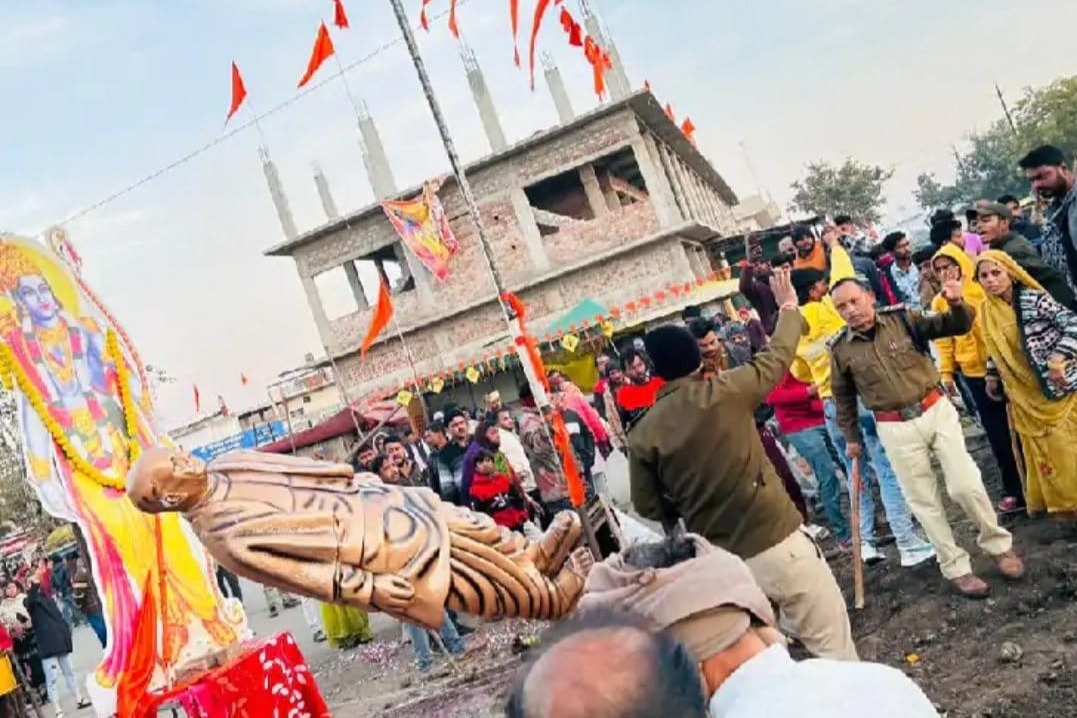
x: 237, y: 129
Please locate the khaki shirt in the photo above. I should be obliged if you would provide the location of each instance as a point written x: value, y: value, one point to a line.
x: 696, y: 453
x: 888, y: 367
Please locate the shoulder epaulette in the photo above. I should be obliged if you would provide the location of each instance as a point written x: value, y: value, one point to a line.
x: 891, y: 309
x: 833, y: 341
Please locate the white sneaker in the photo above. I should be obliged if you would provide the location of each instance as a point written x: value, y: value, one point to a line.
x: 818, y: 533
x: 916, y: 555
x: 870, y: 555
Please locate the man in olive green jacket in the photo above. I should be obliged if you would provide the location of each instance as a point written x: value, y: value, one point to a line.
x: 696, y: 455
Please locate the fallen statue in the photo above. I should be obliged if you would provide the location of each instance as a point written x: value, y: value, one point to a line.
x: 317, y: 529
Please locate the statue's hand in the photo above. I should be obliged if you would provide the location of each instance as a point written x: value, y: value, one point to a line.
x: 392, y: 593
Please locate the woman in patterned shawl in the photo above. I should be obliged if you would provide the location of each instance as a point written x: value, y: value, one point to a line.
x: 1032, y: 343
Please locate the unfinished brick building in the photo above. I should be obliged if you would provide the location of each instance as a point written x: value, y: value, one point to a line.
x: 608, y: 206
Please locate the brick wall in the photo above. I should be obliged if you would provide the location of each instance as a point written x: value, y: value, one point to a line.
x: 442, y: 345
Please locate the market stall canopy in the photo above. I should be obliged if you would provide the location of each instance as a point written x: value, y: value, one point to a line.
x: 367, y: 414
x: 585, y: 311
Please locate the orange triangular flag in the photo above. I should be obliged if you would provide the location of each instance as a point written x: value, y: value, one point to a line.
x: 340, y: 18
x: 323, y: 50
x: 383, y: 312
x: 244, y: 380
x: 689, y: 129
x: 197, y: 400
x: 453, y: 27
x: 239, y: 92
x: 424, y: 22
x: 647, y: 85
x: 669, y: 112
x: 514, y: 21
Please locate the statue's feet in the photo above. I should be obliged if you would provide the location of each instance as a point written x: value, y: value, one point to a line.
x: 569, y: 582
x: 557, y: 542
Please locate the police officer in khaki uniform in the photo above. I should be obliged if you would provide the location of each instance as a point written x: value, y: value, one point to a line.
x: 881, y: 356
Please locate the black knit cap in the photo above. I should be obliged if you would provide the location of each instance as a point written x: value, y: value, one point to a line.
x: 673, y: 350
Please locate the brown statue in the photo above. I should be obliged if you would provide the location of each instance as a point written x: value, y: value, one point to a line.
x: 318, y: 529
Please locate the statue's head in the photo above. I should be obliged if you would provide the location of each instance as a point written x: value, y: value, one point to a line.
x: 167, y: 480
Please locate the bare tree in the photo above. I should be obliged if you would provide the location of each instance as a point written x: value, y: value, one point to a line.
x: 20, y: 509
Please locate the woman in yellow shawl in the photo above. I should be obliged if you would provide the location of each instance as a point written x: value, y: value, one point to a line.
x: 963, y: 363
x: 1032, y: 343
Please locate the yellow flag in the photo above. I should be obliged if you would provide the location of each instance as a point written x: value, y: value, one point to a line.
x: 473, y: 375
x: 607, y: 329
x: 570, y: 342
x: 437, y: 384
x: 403, y: 397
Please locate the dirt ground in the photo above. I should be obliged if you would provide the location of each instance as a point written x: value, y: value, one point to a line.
x: 1010, y: 656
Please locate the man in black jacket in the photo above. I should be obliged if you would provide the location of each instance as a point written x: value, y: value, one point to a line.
x: 54, y: 644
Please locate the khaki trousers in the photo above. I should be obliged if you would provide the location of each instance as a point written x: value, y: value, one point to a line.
x: 794, y: 575
x: 910, y: 445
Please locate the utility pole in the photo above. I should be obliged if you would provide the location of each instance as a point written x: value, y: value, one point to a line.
x: 1006, y: 109
x: 537, y: 389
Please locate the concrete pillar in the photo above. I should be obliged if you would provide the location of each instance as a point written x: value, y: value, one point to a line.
x: 613, y: 200
x: 674, y: 179
x: 483, y: 100
x: 377, y: 166
x: 314, y: 301
x: 280, y: 200
x: 595, y: 198
x: 693, y: 190
x: 536, y: 250
x: 328, y: 204
x: 416, y: 270
x: 352, y: 273
x: 643, y: 147
x: 557, y: 90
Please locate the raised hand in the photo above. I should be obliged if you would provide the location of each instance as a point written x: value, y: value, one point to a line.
x: 782, y: 286
x: 952, y: 291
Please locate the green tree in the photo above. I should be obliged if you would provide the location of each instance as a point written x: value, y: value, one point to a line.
x: 988, y: 167
x: 852, y: 188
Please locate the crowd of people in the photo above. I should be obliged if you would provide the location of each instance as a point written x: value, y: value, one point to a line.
x: 41, y: 605
x: 870, y: 353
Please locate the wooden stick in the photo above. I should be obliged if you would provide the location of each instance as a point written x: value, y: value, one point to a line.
x: 854, y: 519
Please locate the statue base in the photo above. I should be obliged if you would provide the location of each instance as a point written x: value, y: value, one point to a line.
x: 262, y: 677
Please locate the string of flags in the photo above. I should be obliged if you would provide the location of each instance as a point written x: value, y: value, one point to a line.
x: 587, y: 332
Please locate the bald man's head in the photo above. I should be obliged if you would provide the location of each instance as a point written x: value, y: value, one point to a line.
x: 607, y: 665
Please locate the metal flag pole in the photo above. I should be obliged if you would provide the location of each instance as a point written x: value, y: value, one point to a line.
x: 480, y: 230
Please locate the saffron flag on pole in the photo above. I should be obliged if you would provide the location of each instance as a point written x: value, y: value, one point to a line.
x: 340, y: 18
x: 536, y: 24
x: 197, y: 400
x: 244, y: 380
x: 689, y: 129
x: 383, y: 313
x: 239, y: 92
x: 424, y: 229
x: 322, y: 51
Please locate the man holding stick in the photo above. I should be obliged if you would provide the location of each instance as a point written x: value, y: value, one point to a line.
x: 881, y: 356
x: 696, y: 455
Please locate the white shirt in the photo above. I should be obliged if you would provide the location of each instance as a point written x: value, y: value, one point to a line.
x: 773, y: 684
x: 517, y: 458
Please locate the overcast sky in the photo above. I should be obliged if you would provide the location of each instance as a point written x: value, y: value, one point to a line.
x: 98, y: 95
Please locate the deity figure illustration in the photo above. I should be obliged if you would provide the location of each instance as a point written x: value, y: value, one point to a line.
x: 64, y: 359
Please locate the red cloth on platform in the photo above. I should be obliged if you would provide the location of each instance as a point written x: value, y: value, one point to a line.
x: 269, y: 678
